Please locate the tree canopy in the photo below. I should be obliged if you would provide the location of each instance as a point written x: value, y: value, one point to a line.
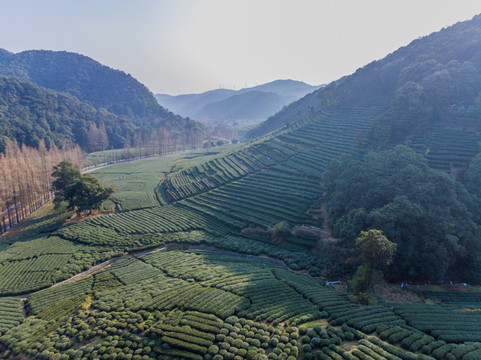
x: 375, y: 249
x: 432, y: 218
x: 81, y: 191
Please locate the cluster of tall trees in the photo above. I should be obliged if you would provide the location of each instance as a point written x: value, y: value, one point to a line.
x: 433, y: 219
x: 25, y: 178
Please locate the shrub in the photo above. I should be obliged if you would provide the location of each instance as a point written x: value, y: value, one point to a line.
x: 242, y: 352
x: 213, y: 349
x: 224, y: 346
x: 381, y: 328
x: 406, y: 343
x: 306, y: 348
x: 294, y: 335
x: 309, y: 356
x: 277, y: 351
x: 255, y: 342
x: 325, y: 342
x: 316, y: 341
x: 441, y: 351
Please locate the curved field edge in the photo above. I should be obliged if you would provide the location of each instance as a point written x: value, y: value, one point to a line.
x: 193, y: 303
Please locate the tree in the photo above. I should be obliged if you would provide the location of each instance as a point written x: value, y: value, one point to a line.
x: 87, y: 193
x: 474, y: 175
x: 280, y: 231
x: 97, y: 137
x: 65, y: 174
x: 83, y: 192
x: 374, y: 252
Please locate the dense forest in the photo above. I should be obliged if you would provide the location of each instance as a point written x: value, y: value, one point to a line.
x: 85, y: 99
x: 433, y: 219
x: 30, y: 114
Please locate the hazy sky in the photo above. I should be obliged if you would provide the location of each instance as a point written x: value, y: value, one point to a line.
x: 183, y: 46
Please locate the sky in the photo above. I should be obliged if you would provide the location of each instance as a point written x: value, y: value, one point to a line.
x: 191, y: 46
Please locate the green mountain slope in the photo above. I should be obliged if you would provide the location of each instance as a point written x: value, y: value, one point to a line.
x: 429, y: 87
x: 99, y: 85
x: 29, y: 113
x: 84, y: 78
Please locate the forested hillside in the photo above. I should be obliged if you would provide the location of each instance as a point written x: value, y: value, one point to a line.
x: 85, y: 79
x: 29, y: 113
x: 397, y: 100
x: 118, y: 102
x: 434, y: 220
x: 429, y: 90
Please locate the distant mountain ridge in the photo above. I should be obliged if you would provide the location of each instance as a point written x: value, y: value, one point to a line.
x: 110, y: 91
x: 249, y: 104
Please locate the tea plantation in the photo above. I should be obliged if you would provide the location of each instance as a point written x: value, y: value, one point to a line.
x: 198, y: 304
x: 190, y: 268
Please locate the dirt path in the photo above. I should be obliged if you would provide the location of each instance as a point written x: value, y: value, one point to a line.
x: 85, y: 273
x: 172, y: 246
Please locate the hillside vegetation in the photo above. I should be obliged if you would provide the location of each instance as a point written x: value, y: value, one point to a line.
x: 433, y: 220
x: 201, y: 302
x: 100, y: 97
x: 429, y: 89
x: 29, y: 113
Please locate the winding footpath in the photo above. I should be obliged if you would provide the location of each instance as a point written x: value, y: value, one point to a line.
x: 172, y: 246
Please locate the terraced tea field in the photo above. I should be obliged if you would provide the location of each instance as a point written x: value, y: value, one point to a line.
x: 10, y: 313
x: 198, y: 304
x: 217, y: 289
